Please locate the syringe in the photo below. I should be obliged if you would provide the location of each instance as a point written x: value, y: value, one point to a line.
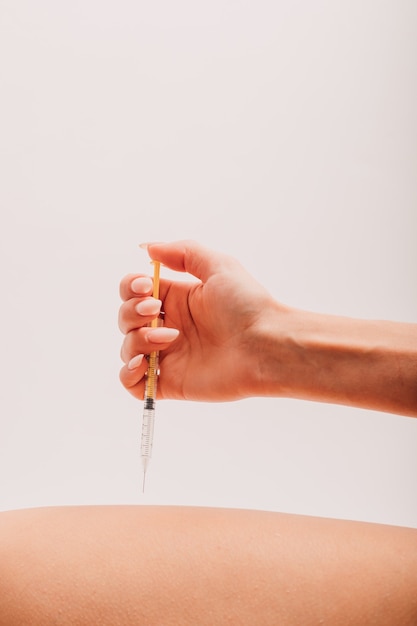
x: 149, y: 400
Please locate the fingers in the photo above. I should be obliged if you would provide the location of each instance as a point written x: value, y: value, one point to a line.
x: 138, y: 312
x: 146, y: 340
x: 135, y: 315
x: 181, y: 256
x: 136, y: 344
x: 132, y: 375
x: 135, y: 285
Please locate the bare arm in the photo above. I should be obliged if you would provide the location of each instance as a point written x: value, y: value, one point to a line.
x: 165, y: 566
x: 242, y: 342
x: 364, y: 363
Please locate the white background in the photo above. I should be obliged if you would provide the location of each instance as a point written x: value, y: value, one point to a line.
x: 282, y: 132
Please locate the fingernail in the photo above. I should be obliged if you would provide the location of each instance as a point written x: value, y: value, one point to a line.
x: 142, y: 285
x: 162, y: 335
x: 146, y: 244
x: 148, y: 307
x: 135, y: 362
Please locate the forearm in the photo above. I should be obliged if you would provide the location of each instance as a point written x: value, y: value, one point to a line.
x: 178, y: 565
x: 364, y: 363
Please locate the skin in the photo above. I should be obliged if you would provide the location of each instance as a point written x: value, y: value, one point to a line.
x: 171, y: 566
x: 267, y: 349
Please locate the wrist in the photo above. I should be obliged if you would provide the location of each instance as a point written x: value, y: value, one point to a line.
x: 273, y: 344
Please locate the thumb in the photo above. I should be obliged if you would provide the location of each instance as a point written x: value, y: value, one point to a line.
x: 189, y: 256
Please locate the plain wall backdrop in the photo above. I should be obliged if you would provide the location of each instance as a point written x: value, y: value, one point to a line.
x: 282, y: 132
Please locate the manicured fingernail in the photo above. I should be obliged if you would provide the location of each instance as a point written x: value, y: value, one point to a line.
x: 135, y: 362
x: 146, y: 244
x: 162, y: 335
x: 148, y: 307
x: 142, y: 285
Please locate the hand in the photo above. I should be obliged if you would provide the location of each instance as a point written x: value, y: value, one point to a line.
x: 226, y: 338
x: 212, y: 358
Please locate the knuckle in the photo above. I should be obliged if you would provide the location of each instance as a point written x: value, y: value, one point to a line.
x: 127, y: 316
x: 131, y: 345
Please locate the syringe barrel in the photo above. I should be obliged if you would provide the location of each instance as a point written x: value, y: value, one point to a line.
x: 148, y: 423
x: 152, y: 374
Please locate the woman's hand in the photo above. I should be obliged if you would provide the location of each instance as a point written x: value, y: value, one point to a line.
x: 207, y: 349
x: 236, y: 341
